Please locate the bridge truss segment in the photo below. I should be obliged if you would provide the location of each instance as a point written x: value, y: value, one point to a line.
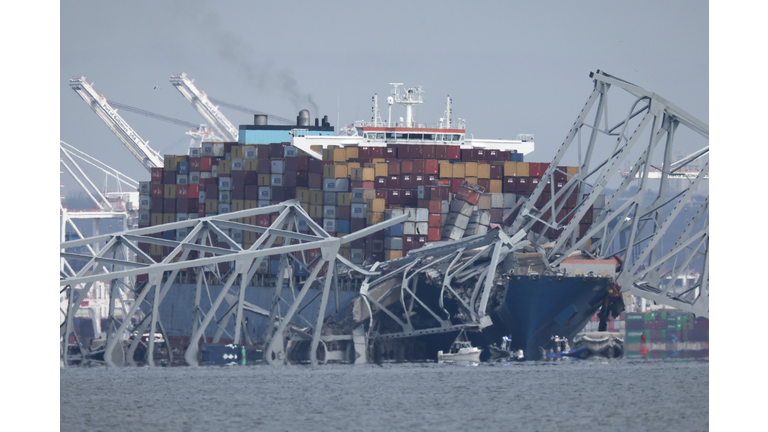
x: 643, y: 137
x: 197, y: 251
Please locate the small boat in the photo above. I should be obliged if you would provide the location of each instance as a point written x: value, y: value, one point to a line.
x: 461, y: 351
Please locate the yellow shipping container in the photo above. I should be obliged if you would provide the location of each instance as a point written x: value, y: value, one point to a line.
x: 316, y: 211
x: 351, y: 153
x: 306, y: 207
x: 250, y: 237
x: 344, y: 199
x: 251, y: 165
x: 484, y: 171
x: 495, y: 186
x: 351, y: 165
x: 382, y: 169
x: 472, y: 180
x: 169, y: 191
x: 340, y: 171
x: 251, y: 204
x: 470, y: 169
x: 522, y: 169
x: 156, y: 219
x: 169, y: 163
x: 375, y: 217
x: 316, y: 198
x: 238, y: 205
x: 212, y: 206
x: 369, y: 174
x: 344, y: 252
x: 446, y: 171
x: 169, y: 218
x: 237, y: 152
x: 264, y: 180
x: 339, y: 155
x: 510, y: 169
x: 225, y: 167
x: 458, y: 170
x: 302, y: 194
x: 571, y: 171
x: 392, y: 254
x: 155, y: 250
x: 377, y: 205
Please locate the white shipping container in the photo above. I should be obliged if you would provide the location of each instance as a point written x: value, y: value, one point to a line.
x: 237, y: 164
x: 224, y: 208
x: 205, y: 175
x: 218, y: 149
x: 225, y: 197
x: 194, y: 152
x: 411, y: 212
x: 409, y: 228
x: 329, y: 225
x: 302, y: 225
x: 181, y: 217
x: 422, y: 228
x: 397, y: 212
x: 422, y: 215
x: 182, y: 179
x: 145, y: 188
x: 329, y: 212
x: 458, y: 220
x: 485, y: 202
x: 485, y: 218
x: 207, y: 149
x: 462, y: 207
x: 509, y: 200
x: 358, y: 211
x: 451, y: 232
x: 250, y: 153
x: 278, y: 166
x: 194, y: 178
x: 265, y: 193
x: 201, y: 196
x: 497, y: 200
x: 225, y: 183
x: 264, y: 203
x: 277, y: 180
x: 445, y: 207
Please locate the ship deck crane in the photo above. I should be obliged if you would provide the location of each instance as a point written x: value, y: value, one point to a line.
x: 98, y: 103
x: 203, y: 105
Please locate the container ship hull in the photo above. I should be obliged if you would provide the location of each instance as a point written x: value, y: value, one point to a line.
x: 535, y: 309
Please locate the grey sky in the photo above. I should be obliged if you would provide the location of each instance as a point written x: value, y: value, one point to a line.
x: 510, y: 67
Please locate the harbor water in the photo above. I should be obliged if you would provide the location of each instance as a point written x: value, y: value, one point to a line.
x: 593, y: 395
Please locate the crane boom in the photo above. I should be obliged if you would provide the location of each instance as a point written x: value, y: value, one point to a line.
x: 98, y: 103
x: 203, y: 105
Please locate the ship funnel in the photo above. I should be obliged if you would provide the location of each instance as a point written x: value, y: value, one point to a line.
x: 303, y: 118
x: 260, y: 119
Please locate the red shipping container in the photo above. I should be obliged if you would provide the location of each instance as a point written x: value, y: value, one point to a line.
x: 157, y: 174
x: 467, y: 155
x: 200, y: 210
x: 434, y: 234
x: 182, y: 191
x: 169, y: 177
x: 533, y: 182
x: 355, y: 184
x: 343, y: 212
x: 468, y: 195
x: 376, y: 152
x: 364, y: 152
x: 356, y: 224
x: 521, y: 184
x: 393, y: 196
x: 416, y: 151
x: 367, y: 185
x: 169, y: 205
x: 428, y: 151
x: 420, y: 180
x: 251, y: 192
x: 441, y: 152
x: 454, y: 152
x: 435, y: 206
x: 315, y: 166
x: 479, y: 154
x: 406, y: 167
x: 430, y: 179
x: 407, y: 181
x: 390, y: 152
x: 194, y: 164
x: 431, y: 166
x: 393, y: 167
x: 435, y: 220
x: 455, y: 183
x: 409, y: 197
x: 276, y: 151
x: 382, y: 193
x: 393, y: 182
x: 497, y: 172
x: 380, y: 183
x: 206, y: 164
x: 300, y: 178
x: 315, y: 180
x: 420, y: 166
x: 264, y: 166
x: 156, y: 190
x: 262, y: 151
x: 561, y: 174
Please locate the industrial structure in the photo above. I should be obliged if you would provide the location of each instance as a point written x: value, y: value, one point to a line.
x: 453, y: 284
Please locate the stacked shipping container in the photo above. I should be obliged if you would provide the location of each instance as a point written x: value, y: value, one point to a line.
x: 447, y: 192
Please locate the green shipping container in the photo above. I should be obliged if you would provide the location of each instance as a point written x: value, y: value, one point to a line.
x: 633, y: 317
x: 650, y: 316
x: 631, y: 355
x: 663, y: 315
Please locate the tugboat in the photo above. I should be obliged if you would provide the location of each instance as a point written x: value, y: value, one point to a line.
x: 461, y: 351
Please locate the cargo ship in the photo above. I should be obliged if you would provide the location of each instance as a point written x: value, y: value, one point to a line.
x: 358, y: 177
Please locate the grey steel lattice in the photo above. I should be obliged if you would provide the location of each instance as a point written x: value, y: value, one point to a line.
x: 628, y: 213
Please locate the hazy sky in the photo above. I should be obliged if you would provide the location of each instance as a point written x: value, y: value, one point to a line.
x: 510, y: 67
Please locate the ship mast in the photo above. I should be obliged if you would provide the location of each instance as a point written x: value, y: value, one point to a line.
x: 412, y: 97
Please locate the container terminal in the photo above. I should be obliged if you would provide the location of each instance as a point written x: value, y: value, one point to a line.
x: 387, y: 240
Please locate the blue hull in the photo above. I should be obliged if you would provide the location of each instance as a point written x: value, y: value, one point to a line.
x: 535, y: 310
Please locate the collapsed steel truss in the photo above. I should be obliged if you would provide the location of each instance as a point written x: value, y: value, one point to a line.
x: 630, y: 213
x: 196, y: 251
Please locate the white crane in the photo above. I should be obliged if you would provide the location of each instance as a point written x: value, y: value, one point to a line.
x: 98, y: 103
x: 203, y: 105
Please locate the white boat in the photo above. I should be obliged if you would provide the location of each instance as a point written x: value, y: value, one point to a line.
x: 461, y: 351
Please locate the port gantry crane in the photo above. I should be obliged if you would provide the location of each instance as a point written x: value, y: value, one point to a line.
x: 203, y: 105
x: 98, y: 103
